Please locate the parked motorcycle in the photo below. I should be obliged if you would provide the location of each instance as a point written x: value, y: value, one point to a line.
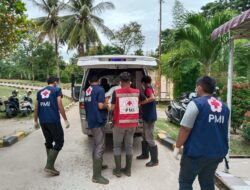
x: 26, y: 106
x: 177, y: 108
x: 12, y: 105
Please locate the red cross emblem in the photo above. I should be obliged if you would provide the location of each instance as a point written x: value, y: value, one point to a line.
x: 215, y: 105
x: 88, y: 91
x: 129, y: 103
x: 45, y: 94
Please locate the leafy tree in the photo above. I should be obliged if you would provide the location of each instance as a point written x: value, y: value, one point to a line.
x: 168, y: 40
x: 79, y: 30
x: 128, y: 36
x: 49, y: 23
x: 13, y: 24
x: 178, y: 13
x: 109, y: 50
x: 139, y: 52
x: 212, y: 8
x: 194, y: 41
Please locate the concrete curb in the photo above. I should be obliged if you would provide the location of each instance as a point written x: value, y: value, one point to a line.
x: 12, y: 139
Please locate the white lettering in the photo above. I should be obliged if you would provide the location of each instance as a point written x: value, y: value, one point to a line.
x: 216, y: 119
x: 45, y: 104
x: 211, y: 117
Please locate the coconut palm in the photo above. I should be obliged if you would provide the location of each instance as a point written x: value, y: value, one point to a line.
x: 48, y: 24
x: 79, y: 30
x: 194, y: 41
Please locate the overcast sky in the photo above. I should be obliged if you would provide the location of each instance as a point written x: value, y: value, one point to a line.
x: 145, y: 12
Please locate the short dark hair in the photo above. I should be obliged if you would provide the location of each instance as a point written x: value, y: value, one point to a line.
x: 146, y: 79
x: 125, y: 77
x: 93, y: 78
x: 207, y: 83
x: 52, y: 79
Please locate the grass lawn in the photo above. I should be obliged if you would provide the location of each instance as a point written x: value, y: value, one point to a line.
x: 238, y: 146
x: 5, y: 92
x: 37, y: 83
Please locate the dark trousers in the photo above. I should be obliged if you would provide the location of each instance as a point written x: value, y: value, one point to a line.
x: 53, y: 133
x: 202, y: 167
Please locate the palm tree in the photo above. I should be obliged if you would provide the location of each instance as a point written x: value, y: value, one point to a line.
x: 79, y: 30
x: 48, y: 24
x: 194, y: 41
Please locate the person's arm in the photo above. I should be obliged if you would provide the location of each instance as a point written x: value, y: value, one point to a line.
x: 187, y: 124
x: 61, y: 108
x: 113, y: 101
x: 150, y: 97
x: 102, y: 104
x: 182, y: 137
x: 36, y: 115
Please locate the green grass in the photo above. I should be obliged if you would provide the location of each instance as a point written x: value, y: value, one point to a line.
x: 171, y: 129
x: 238, y: 146
x: 36, y: 83
x: 162, y: 106
x: 5, y: 92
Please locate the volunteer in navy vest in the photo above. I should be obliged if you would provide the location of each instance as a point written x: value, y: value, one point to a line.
x: 48, y: 108
x: 125, y: 104
x: 149, y: 117
x: 204, y: 135
x: 96, y: 115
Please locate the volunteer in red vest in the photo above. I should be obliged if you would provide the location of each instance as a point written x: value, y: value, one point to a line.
x: 149, y: 117
x: 125, y: 104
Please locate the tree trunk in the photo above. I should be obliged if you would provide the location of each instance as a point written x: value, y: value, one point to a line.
x: 208, y: 69
x: 57, y: 61
x: 81, y: 51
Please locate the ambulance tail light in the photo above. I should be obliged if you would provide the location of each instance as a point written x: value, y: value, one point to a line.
x: 81, y: 105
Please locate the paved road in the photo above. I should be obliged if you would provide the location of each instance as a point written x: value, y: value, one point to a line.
x: 22, y: 165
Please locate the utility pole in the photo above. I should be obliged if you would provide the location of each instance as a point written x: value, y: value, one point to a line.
x: 158, y: 81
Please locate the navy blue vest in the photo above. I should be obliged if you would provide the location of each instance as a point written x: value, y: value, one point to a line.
x: 209, y: 136
x: 48, y: 111
x: 95, y: 117
x: 149, y: 110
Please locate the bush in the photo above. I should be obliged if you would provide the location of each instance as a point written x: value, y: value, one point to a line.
x: 240, y: 103
x: 246, y: 132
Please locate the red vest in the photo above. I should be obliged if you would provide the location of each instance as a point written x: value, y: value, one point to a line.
x: 126, y: 114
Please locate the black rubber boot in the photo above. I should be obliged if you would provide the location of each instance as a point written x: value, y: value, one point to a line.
x: 154, y: 157
x: 49, y: 168
x: 145, y: 151
x: 127, y: 169
x: 117, y: 169
x: 97, y: 170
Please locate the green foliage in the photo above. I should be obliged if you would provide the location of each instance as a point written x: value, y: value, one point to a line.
x: 79, y: 29
x: 13, y: 24
x: 109, y: 50
x: 246, y: 130
x: 240, y: 103
x: 212, y: 8
x: 193, y: 42
x: 128, y: 36
x: 139, y: 52
x: 178, y: 14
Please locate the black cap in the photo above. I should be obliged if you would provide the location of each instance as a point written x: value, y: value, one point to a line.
x: 53, y: 79
x: 125, y: 77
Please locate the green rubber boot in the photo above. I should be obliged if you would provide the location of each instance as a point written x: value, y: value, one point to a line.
x: 117, y: 169
x: 47, y: 151
x: 49, y: 168
x: 97, y: 169
x: 127, y: 169
x: 104, y: 166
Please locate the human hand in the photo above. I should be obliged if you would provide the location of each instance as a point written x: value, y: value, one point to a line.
x: 67, y: 124
x: 176, y: 153
x: 36, y: 125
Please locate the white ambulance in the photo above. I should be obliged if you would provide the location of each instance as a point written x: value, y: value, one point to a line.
x: 108, y: 68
